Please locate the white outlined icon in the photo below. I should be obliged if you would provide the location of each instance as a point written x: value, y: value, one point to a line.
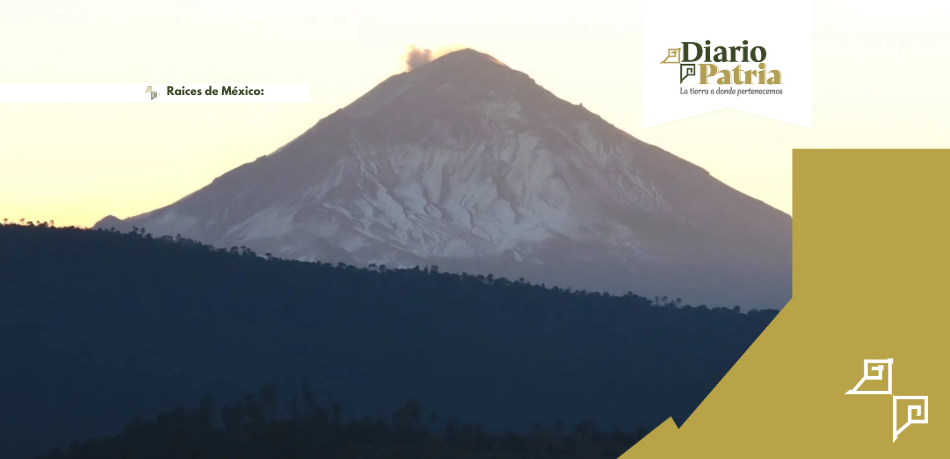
x: 879, y: 375
x: 912, y: 410
x: 878, y: 367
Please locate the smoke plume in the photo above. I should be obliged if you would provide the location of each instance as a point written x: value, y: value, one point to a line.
x: 417, y: 58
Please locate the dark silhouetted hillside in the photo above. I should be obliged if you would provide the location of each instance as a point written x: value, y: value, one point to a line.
x: 251, y: 429
x: 99, y: 327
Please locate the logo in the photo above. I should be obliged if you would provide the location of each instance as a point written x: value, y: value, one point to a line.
x: 879, y: 369
x: 711, y: 58
x: 692, y: 64
x: 917, y: 413
x: 154, y: 93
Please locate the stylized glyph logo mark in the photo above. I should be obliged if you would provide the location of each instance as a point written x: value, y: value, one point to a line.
x: 912, y: 411
x: 673, y: 53
x: 686, y: 70
x: 153, y: 93
x: 674, y: 56
x: 878, y: 367
x: 878, y: 376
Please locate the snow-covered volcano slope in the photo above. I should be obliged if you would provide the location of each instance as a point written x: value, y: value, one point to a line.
x: 467, y: 164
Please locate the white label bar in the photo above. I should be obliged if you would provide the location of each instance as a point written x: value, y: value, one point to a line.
x: 154, y: 93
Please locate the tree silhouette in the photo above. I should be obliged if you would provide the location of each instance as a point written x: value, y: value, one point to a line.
x: 192, y: 433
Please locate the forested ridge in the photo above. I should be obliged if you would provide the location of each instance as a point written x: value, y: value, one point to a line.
x: 101, y: 327
x: 252, y: 429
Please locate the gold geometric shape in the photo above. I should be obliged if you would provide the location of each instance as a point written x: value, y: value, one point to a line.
x: 673, y: 53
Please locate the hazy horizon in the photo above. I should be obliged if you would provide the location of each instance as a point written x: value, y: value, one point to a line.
x: 77, y: 163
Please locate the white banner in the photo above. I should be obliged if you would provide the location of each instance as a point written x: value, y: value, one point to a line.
x: 154, y: 93
x: 700, y: 56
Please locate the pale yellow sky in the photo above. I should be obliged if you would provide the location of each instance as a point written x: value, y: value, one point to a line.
x: 879, y: 82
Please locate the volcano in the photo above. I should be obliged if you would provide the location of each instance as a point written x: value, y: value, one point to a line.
x: 469, y: 165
